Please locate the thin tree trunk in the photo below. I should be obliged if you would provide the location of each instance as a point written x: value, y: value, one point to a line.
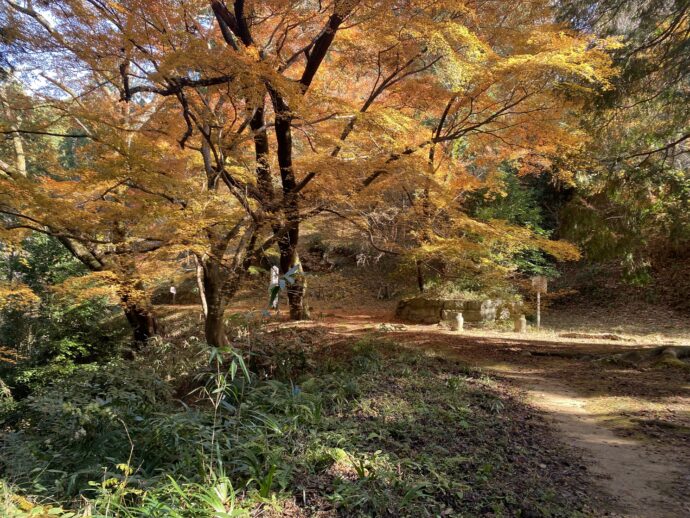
x: 17, y: 142
x: 261, y: 150
x: 200, y: 285
x: 420, y: 276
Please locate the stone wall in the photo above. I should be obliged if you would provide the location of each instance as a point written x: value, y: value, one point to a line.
x: 422, y: 310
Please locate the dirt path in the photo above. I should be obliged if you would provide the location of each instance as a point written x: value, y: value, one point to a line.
x: 640, y: 478
x: 644, y: 478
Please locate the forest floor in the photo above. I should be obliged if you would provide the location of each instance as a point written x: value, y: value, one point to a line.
x: 628, y: 422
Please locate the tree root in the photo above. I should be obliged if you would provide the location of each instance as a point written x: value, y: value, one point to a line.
x: 595, y: 336
x: 665, y: 355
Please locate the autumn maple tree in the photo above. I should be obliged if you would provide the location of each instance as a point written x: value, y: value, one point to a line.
x: 226, y: 125
x: 89, y: 196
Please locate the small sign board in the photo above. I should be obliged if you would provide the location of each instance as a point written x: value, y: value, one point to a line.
x: 540, y: 283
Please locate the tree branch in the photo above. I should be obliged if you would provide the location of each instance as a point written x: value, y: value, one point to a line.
x: 323, y: 42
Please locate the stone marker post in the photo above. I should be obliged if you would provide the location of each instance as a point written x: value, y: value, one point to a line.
x: 457, y: 323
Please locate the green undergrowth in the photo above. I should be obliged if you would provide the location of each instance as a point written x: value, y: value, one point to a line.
x: 361, y: 429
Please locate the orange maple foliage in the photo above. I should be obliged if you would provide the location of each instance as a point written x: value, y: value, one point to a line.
x: 220, y: 128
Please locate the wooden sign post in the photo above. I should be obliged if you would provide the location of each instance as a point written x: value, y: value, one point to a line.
x: 539, y: 284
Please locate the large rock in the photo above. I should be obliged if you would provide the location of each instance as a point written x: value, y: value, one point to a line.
x: 480, y: 310
x: 422, y: 310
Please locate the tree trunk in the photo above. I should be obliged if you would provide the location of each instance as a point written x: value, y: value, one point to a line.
x: 142, y: 321
x: 214, y: 328
x: 136, y: 308
x: 262, y: 149
x: 288, y: 243
x: 296, y: 298
x: 140, y: 318
x: 14, y: 122
x: 200, y: 285
x: 295, y: 292
x: 216, y: 303
x: 420, y: 276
